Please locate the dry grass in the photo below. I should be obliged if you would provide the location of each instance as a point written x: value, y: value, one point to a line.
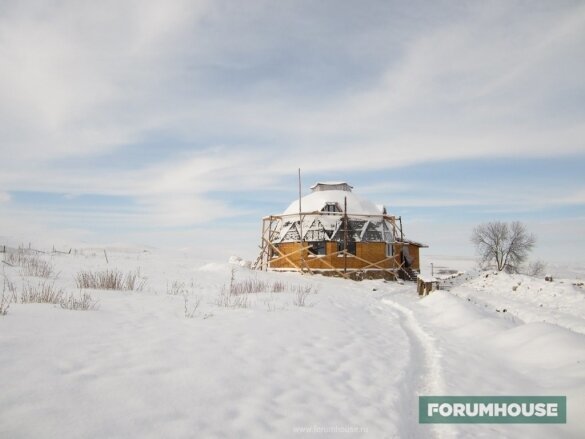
x: 31, y: 264
x: 191, y: 307
x: 35, y: 266
x: 15, y: 258
x: 253, y: 286
x: 237, y: 293
x: 5, y: 302
x: 83, y: 302
x: 110, y: 280
x: 43, y: 292
x: 8, y: 296
x: 278, y: 287
x: 227, y: 300
x: 300, y: 297
x: 8, y: 286
x: 176, y: 288
x: 304, y: 289
x: 248, y: 286
x: 133, y: 282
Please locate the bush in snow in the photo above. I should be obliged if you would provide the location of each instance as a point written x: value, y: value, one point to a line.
x: 109, y: 280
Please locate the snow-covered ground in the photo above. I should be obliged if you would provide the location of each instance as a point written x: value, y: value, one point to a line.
x: 351, y: 362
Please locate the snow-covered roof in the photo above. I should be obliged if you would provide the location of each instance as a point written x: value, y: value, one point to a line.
x: 315, y: 201
x: 331, y: 185
x: 427, y: 279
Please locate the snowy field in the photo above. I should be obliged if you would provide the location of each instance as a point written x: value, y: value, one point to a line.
x: 296, y: 356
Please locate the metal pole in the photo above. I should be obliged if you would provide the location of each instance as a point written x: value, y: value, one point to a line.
x: 401, y: 234
x: 301, y: 221
x: 345, y: 235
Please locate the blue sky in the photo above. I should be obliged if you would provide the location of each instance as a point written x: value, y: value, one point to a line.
x: 181, y: 123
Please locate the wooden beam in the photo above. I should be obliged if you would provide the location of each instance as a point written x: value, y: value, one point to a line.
x: 374, y: 264
x: 379, y: 262
x: 283, y: 256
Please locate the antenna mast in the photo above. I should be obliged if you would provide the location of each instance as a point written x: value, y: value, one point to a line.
x: 301, y: 219
x: 345, y: 235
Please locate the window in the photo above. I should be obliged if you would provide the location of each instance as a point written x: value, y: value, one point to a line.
x: 331, y: 207
x: 351, y: 247
x: 317, y: 248
x: 389, y: 249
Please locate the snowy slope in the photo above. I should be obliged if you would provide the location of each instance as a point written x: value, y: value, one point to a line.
x: 530, y: 299
x: 354, y: 359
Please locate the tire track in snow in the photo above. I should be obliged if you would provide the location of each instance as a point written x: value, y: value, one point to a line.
x: 423, y: 377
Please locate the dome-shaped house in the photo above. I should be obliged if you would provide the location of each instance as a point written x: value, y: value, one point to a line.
x: 334, y: 231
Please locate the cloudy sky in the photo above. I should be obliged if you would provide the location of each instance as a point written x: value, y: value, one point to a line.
x: 182, y: 123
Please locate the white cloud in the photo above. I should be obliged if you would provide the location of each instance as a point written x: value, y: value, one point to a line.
x: 82, y: 78
x: 4, y: 197
x: 85, y: 79
x: 74, y: 75
x: 66, y: 70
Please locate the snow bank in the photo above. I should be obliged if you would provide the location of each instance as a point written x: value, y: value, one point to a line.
x: 487, y: 353
x: 531, y: 299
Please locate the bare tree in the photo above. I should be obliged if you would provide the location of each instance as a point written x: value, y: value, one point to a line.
x: 506, y: 244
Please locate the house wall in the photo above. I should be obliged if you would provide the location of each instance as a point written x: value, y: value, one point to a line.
x: 370, y: 251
